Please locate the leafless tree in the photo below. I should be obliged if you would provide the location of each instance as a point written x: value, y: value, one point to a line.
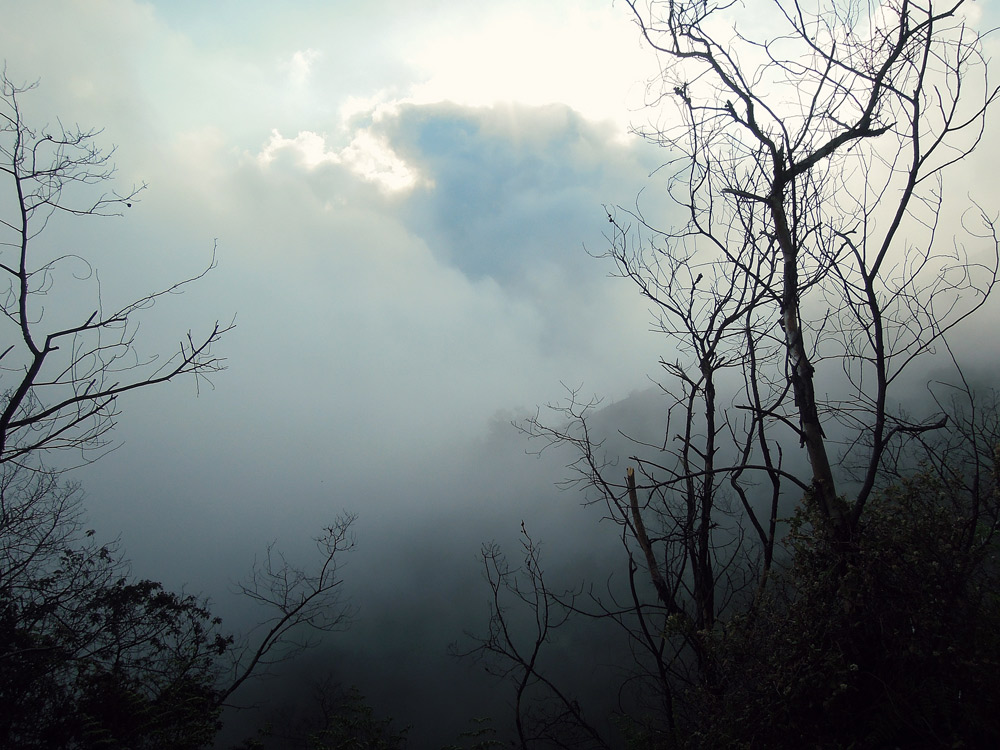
x: 823, y: 143
x: 545, y: 714
x: 60, y: 379
x: 814, y: 258
x: 301, y: 602
x: 72, y: 614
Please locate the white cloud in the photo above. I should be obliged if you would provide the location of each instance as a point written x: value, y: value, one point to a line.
x: 309, y: 148
x: 384, y: 102
x: 588, y: 58
x: 372, y: 158
x: 300, y: 66
x: 368, y: 155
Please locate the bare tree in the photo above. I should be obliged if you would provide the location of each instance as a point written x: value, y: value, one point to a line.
x: 302, y: 601
x: 77, y: 631
x: 544, y: 713
x: 823, y: 144
x: 815, y: 259
x: 61, y: 379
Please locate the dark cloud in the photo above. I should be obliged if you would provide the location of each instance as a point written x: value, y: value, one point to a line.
x: 513, y: 187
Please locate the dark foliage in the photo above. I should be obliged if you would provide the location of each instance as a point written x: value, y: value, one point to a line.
x: 895, y: 644
x: 332, y: 718
x: 351, y: 724
x: 89, y: 656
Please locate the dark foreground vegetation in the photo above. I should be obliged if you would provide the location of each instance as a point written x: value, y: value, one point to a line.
x: 809, y: 554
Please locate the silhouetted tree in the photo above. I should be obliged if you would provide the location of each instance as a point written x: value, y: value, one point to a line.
x: 544, y: 711
x: 90, y: 655
x: 300, y: 602
x: 811, y: 167
x: 60, y: 378
x: 814, y: 261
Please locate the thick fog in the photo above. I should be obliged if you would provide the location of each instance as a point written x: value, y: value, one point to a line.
x: 402, y: 201
x: 400, y: 213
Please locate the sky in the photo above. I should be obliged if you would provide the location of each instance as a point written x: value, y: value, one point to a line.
x: 404, y: 198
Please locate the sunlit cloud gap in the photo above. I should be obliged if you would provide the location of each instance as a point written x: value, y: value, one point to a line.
x: 368, y: 156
